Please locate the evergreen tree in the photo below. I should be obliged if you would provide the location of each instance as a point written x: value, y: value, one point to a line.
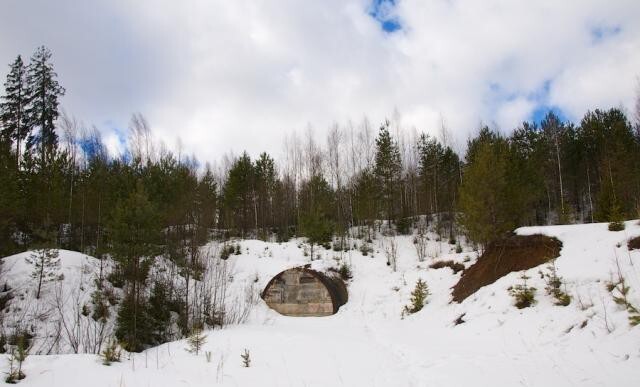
x: 315, y: 206
x: 207, y: 199
x: 46, y: 265
x: 134, y: 230
x: 265, y: 182
x: 365, y: 205
x: 13, y: 108
x: 159, y: 313
x: 483, y: 193
x: 42, y: 111
x: 196, y: 340
x: 238, y: 195
x: 418, y: 297
x: 387, y: 170
x: 132, y: 324
x: 10, y: 200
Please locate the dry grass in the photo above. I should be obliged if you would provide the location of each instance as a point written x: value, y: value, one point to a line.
x: 455, y: 266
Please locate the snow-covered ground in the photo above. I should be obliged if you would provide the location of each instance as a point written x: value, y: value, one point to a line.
x: 369, y: 343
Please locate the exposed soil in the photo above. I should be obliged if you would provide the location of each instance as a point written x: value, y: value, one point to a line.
x: 634, y: 243
x: 455, y: 266
x: 502, y: 257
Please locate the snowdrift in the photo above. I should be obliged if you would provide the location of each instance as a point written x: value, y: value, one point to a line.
x: 482, y: 341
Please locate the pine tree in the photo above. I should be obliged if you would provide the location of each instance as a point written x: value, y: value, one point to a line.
x: 46, y: 264
x: 42, y: 112
x: 238, y: 195
x: 484, y: 201
x: 134, y: 230
x: 13, y: 108
x: 265, y: 181
x: 387, y: 169
x: 18, y: 355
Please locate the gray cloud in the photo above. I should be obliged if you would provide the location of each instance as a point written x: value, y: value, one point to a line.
x: 240, y: 75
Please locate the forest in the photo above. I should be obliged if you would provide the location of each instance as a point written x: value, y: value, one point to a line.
x: 61, y: 188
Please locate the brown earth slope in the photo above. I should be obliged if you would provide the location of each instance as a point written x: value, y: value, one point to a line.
x: 502, y: 257
x: 634, y: 243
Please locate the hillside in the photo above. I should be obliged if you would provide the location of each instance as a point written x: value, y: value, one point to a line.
x: 369, y: 342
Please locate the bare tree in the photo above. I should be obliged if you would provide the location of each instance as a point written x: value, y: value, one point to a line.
x: 390, y: 246
x: 141, y: 139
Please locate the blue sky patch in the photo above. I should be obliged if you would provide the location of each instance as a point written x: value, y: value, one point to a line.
x: 382, y: 12
x: 600, y: 33
x: 541, y: 112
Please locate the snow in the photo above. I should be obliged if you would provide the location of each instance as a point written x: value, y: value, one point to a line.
x: 369, y: 343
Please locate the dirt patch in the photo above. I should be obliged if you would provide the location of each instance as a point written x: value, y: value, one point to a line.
x: 634, y: 243
x: 455, y: 266
x: 502, y: 257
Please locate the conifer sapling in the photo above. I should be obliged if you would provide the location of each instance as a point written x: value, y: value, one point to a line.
x: 418, y: 297
x: 246, y: 358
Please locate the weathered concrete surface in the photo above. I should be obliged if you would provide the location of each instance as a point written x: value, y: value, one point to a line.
x: 303, y: 292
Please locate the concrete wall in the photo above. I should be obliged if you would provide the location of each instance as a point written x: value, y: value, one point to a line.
x: 297, y: 292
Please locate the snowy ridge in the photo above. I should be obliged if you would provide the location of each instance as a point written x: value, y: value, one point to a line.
x: 369, y: 343
x: 56, y: 319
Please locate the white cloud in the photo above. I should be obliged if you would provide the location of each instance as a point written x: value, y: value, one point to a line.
x: 241, y: 74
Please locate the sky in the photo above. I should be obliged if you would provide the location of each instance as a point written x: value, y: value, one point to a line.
x: 227, y: 76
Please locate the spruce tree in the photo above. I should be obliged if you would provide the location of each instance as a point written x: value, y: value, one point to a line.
x: 159, y: 314
x: 418, y: 297
x: 13, y: 108
x: 42, y: 111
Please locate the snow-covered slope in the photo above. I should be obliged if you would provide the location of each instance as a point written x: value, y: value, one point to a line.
x: 369, y: 343
x: 61, y: 318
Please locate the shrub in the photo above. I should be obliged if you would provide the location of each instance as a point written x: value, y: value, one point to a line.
x: 458, y: 248
x: 345, y: 271
x: 523, y: 294
x: 403, y: 226
x: 459, y: 320
x: 619, y: 290
x: 100, y: 306
x: 455, y: 266
x: 365, y: 249
x: 246, y: 358
x: 418, y: 297
x: 554, y: 286
x: 226, y: 251
x: 196, y: 340
x: 111, y: 352
x: 18, y: 355
x: 616, y: 226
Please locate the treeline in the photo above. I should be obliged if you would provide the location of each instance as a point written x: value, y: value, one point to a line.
x: 59, y: 183
x: 59, y: 186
